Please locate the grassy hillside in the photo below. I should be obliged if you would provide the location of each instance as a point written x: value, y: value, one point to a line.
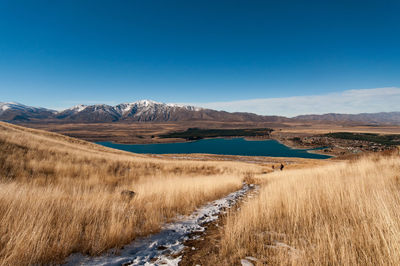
x: 60, y: 195
x: 341, y: 214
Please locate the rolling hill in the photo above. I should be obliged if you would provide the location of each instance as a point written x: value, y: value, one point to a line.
x: 60, y: 195
x: 371, y: 118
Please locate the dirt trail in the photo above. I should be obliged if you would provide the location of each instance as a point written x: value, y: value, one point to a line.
x: 166, y: 247
x: 197, y: 251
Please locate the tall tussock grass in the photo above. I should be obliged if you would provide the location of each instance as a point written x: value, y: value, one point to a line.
x: 60, y: 195
x: 341, y: 214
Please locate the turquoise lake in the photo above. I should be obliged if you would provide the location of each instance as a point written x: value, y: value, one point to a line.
x: 232, y: 146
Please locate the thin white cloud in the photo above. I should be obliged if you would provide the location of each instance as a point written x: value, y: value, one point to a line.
x: 349, y: 101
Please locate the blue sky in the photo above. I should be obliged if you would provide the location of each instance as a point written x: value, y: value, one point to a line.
x: 60, y: 53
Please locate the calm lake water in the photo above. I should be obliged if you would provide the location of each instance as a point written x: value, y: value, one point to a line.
x: 234, y: 146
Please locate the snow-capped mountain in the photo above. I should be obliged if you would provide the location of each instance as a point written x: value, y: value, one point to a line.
x: 90, y: 113
x: 148, y: 106
x: 150, y: 111
x: 11, y: 111
x: 144, y: 110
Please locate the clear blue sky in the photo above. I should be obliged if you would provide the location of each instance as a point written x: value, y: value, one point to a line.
x: 61, y: 53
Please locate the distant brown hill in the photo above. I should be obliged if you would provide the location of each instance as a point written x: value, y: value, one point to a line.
x: 367, y: 118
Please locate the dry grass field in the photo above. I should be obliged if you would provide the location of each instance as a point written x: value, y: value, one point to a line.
x: 346, y: 213
x: 138, y: 132
x: 60, y: 195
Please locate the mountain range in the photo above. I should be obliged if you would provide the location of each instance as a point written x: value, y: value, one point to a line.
x: 140, y: 111
x: 150, y: 111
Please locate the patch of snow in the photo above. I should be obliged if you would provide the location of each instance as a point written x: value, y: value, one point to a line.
x: 147, y: 102
x: 251, y: 258
x: 245, y: 262
x: 8, y: 105
x: 160, y: 248
x: 127, y: 108
x: 80, y: 108
x: 187, y: 107
x: 17, y: 106
x: 76, y: 109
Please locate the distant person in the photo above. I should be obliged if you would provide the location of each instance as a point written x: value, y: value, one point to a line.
x: 273, y: 167
x: 282, y: 166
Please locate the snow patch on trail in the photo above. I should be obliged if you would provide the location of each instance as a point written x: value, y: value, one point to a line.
x: 160, y: 248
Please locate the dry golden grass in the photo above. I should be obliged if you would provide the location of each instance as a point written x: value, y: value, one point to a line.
x: 342, y: 214
x: 60, y: 195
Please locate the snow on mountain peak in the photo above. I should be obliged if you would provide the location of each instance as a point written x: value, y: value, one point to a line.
x: 13, y: 109
x: 138, y: 110
x: 146, y: 102
x: 124, y: 108
x: 148, y: 106
x: 4, y: 107
x: 11, y: 105
x: 80, y: 107
x: 77, y: 108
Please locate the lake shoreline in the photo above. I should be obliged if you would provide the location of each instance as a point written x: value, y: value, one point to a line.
x: 291, y: 145
x: 313, y: 150
x: 236, y: 146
